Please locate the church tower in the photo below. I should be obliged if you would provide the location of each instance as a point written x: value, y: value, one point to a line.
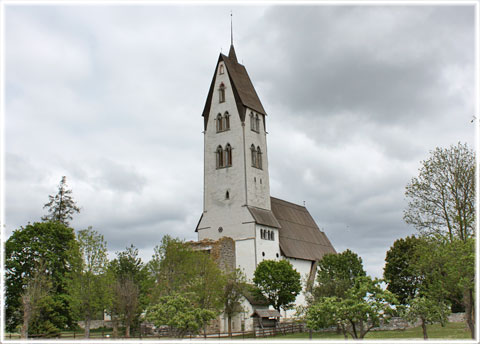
x: 236, y: 180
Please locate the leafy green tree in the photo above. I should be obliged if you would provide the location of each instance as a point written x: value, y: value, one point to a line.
x: 428, y: 310
x: 401, y: 273
x: 448, y: 269
x: 279, y: 282
x: 336, y: 274
x: 88, y: 287
x: 235, y: 287
x: 53, y: 245
x: 441, y: 200
x: 129, y: 286
x: 362, y: 308
x: 179, y: 314
x: 61, y: 207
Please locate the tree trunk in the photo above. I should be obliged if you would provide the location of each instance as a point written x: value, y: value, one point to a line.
x: 115, y: 326
x: 229, y: 325
x: 469, y: 310
x: 127, y: 330
x: 26, y: 320
x: 424, y: 329
x: 87, y: 326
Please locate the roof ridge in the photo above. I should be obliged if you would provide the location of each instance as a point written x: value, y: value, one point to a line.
x: 282, y: 200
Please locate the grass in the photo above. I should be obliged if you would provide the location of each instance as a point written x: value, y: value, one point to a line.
x: 450, y: 331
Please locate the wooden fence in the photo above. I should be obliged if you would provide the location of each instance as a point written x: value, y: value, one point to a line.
x: 282, y: 329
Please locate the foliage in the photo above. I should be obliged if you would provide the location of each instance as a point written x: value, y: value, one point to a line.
x: 428, y: 310
x: 128, y: 283
x: 400, y: 271
x: 88, y: 287
x: 234, y: 290
x: 53, y: 245
x: 178, y: 312
x: 279, y: 282
x: 37, y: 288
x: 61, y: 207
x: 441, y: 200
x: 337, y: 273
x: 363, y: 307
x: 448, y: 269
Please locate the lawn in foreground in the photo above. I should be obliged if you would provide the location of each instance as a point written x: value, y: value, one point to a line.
x: 450, y: 331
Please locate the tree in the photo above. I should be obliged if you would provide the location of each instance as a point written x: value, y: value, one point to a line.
x: 179, y: 314
x: 362, y: 308
x: 53, y: 245
x: 235, y: 286
x: 336, y: 274
x: 448, y: 270
x: 61, y: 207
x: 441, y: 200
x: 37, y: 288
x: 88, y: 287
x: 441, y: 205
x: 279, y: 282
x: 428, y: 310
x: 129, y: 287
x: 401, y: 272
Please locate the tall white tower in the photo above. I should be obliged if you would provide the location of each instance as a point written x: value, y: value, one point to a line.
x: 236, y: 181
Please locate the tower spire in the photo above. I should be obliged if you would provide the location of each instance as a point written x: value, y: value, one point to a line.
x: 231, y: 53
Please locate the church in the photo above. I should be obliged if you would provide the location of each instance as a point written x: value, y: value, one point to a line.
x: 236, y: 198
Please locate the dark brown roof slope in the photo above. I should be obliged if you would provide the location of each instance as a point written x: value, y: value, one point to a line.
x: 300, y: 236
x: 243, y: 90
x: 263, y: 217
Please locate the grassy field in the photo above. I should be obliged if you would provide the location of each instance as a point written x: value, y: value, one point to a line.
x: 450, y: 331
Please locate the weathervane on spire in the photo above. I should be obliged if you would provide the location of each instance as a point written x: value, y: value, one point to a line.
x: 231, y: 27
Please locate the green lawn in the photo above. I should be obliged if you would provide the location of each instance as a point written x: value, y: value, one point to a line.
x: 450, y: 331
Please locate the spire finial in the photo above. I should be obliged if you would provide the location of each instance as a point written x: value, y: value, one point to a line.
x: 231, y: 27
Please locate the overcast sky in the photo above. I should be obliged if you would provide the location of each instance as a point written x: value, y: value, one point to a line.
x: 111, y: 97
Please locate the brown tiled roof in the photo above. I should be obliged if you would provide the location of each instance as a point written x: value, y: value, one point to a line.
x: 300, y: 236
x: 243, y: 90
x: 266, y: 313
x: 264, y: 217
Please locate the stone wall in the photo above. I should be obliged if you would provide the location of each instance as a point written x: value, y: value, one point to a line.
x: 222, y: 251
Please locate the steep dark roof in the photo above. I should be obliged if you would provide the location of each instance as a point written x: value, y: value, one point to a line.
x: 263, y: 217
x: 299, y: 235
x: 243, y: 90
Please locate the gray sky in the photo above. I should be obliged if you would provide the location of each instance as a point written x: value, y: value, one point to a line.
x: 111, y: 97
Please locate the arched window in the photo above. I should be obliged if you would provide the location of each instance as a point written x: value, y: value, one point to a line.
x: 227, y: 195
x: 227, y: 121
x: 252, y: 121
x: 273, y: 235
x: 221, y: 69
x: 261, y: 233
x: 222, y: 92
x: 257, y: 123
x: 219, y: 123
x: 219, y: 155
x: 254, y: 155
x: 259, y: 158
x: 228, y: 155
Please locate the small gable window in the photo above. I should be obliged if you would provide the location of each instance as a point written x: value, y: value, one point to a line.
x: 222, y: 93
x: 227, y: 195
x: 226, y: 121
x: 252, y: 121
x: 257, y: 123
x: 221, y: 70
x: 254, y: 155
x: 219, y: 123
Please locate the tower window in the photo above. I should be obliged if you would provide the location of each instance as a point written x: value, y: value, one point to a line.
x: 222, y: 93
x: 221, y: 70
x: 263, y: 254
x: 226, y: 121
x: 220, y: 229
x: 259, y: 158
x: 219, y: 123
x: 227, y: 195
x: 228, y: 155
x: 257, y: 123
x: 252, y: 121
x: 219, y: 156
x: 277, y: 255
x: 254, y: 155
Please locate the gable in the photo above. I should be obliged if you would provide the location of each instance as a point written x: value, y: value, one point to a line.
x: 242, y: 87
